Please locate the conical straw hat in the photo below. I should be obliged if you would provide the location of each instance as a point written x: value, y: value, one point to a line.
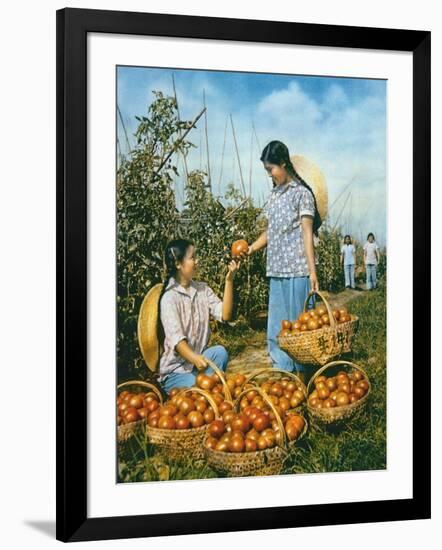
x: 147, y: 328
x: 315, y: 178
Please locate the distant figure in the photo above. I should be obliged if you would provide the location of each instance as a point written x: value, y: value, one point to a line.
x: 348, y: 262
x: 371, y: 260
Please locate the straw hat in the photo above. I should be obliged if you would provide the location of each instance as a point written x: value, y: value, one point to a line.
x: 315, y: 178
x: 147, y: 328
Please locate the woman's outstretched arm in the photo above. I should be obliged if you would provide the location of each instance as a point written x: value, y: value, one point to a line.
x: 260, y: 242
x: 228, y: 291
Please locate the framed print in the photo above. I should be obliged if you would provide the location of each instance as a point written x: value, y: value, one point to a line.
x: 243, y: 274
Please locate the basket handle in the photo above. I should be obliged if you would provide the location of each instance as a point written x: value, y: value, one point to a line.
x: 144, y: 384
x: 206, y: 394
x: 333, y: 364
x: 281, y: 371
x: 327, y: 305
x: 283, y: 438
x: 220, y: 373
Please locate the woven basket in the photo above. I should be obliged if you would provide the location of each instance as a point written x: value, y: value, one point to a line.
x: 318, y: 347
x: 271, y: 371
x: 255, y: 463
x: 178, y: 444
x: 221, y: 376
x: 336, y: 415
x: 125, y: 431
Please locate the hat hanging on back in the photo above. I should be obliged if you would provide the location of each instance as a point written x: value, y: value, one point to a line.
x: 310, y: 172
x: 148, y: 328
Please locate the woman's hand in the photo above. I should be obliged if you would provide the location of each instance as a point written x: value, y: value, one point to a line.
x: 260, y: 242
x: 314, y: 284
x: 245, y: 255
x: 200, y: 362
x: 233, y: 267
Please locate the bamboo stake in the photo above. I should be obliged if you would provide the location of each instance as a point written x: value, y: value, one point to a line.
x: 259, y: 153
x: 341, y: 193
x: 119, y: 149
x: 179, y: 131
x: 237, y: 156
x: 251, y: 160
x: 222, y: 158
x: 124, y: 128
x: 201, y: 150
x: 179, y: 141
x: 237, y: 208
x: 209, y: 179
x: 342, y: 210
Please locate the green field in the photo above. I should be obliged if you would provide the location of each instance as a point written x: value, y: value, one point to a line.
x: 359, y: 445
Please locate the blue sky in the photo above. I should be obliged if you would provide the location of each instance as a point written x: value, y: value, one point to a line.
x: 338, y: 123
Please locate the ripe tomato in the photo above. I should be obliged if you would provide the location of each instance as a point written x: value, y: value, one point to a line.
x: 238, y: 247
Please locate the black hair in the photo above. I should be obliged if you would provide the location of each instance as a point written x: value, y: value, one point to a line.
x: 348, y: 237
x: 277, y: 152
x: 175, y: 252
x: 370, y: 235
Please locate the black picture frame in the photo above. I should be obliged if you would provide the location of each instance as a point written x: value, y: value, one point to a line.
x: 73, y: 25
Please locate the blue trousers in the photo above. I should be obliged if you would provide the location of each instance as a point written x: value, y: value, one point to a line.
x: 286, y: 301
x: 370, y: 270
x: 217, y: 354
x: 349, y: 272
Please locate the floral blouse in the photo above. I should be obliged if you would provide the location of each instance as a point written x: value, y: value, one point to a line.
x: 286, y: 205
x: 185, y: 314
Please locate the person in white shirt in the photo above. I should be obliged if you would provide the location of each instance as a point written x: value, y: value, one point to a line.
x: 348, y: 262
x: 371, y: 260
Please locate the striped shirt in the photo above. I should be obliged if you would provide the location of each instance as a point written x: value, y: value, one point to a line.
x: 185, y: 314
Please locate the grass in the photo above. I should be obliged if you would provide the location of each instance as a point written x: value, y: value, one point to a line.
x: 361, y: 445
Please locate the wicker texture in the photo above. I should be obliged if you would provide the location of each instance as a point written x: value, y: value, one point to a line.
x: 318, y: 347
x: 270, y: 373
x: 255, y: 463
x: 178, y: 444
x: 125, y: 431
x: 315, y: 178
x: 147, y: 328
x: 344, y: 413
x: 222, y: 378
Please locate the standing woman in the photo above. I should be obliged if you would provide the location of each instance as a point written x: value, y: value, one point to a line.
x: 371, y: 260
x: 293, y: 219
x: 348, y: 262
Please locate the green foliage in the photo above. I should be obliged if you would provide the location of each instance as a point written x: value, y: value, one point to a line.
x: 147, y: 218
x: 381, y: 271
x: 329, y: 268
x: 213, y: 228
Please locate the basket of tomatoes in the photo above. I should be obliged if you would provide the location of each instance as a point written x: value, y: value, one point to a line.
x: 285, y: 389
x: 254, y: 439
x: 134, y: 407
x: 215, y: 383
x: 340, y: 397
x: 320, y: 334
x: 178, y: 428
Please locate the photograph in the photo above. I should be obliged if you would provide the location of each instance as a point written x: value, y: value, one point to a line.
x: 251, y: 274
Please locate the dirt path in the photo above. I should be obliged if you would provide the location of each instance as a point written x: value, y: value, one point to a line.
x: 255, y: 356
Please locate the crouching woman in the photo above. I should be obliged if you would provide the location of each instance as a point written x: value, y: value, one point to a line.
x: 185, y: 308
